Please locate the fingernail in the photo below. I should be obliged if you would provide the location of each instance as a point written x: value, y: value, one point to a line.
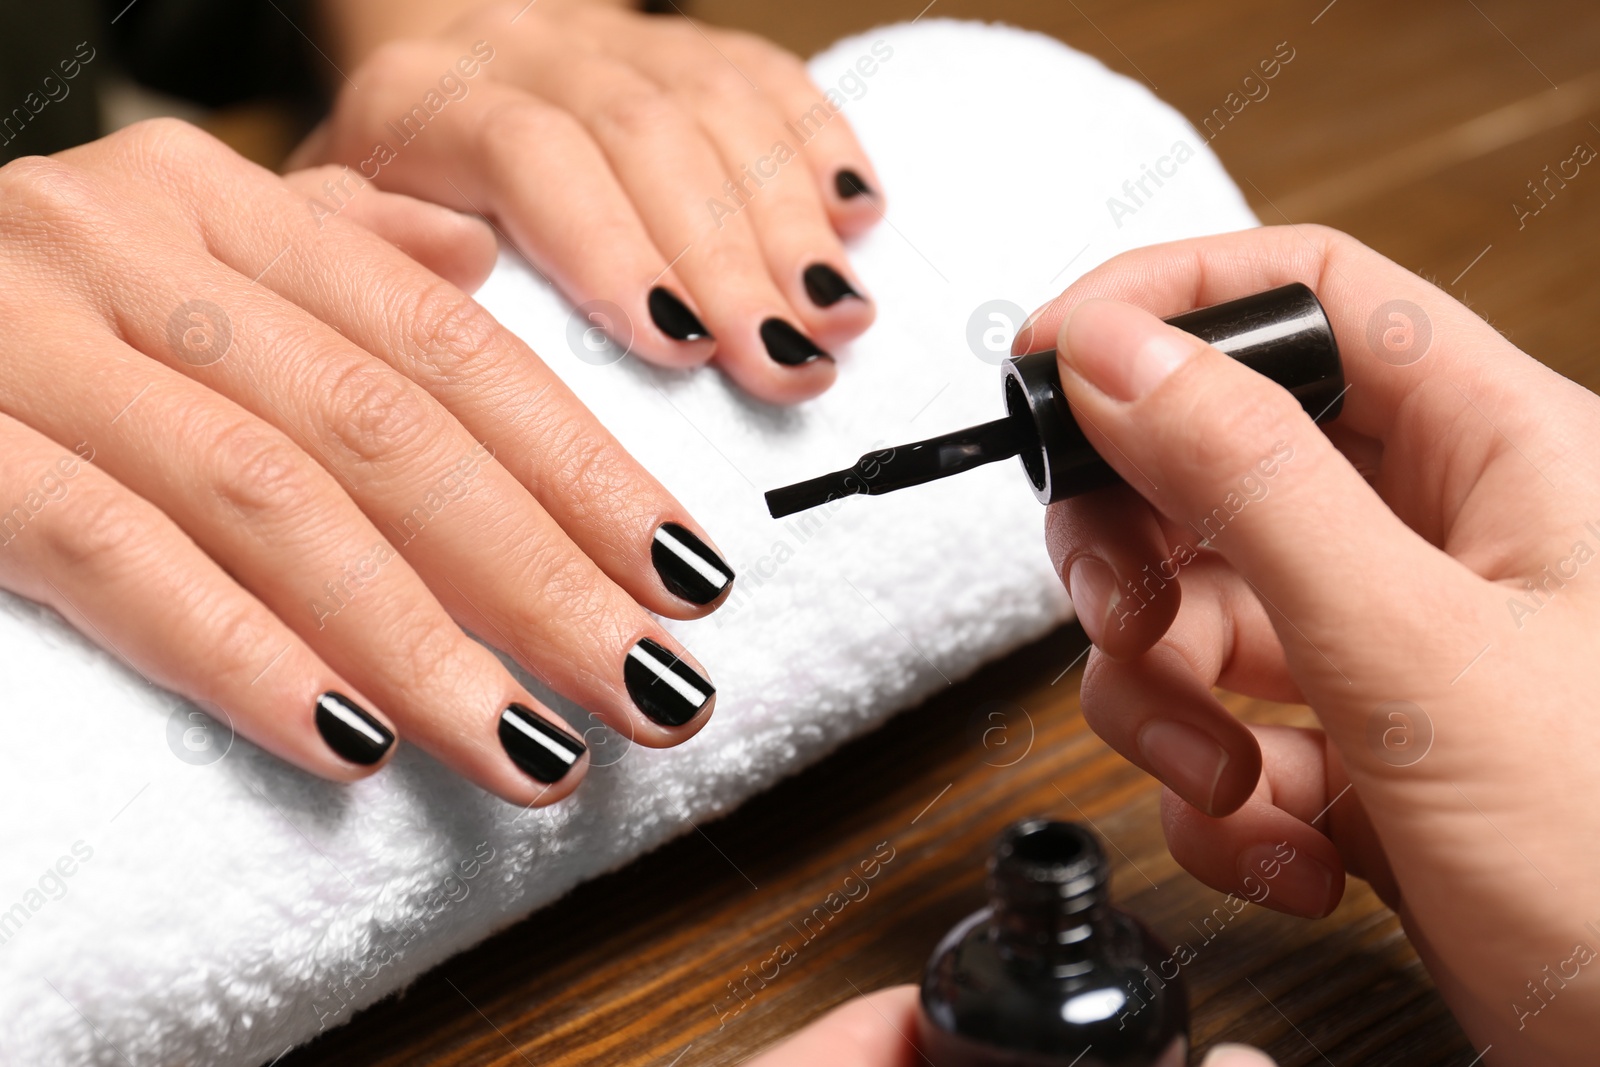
x: 849, y: 184
x: 826, y: 286
x: 687, y: 566
x: 1301, y: 884
x: 1095, y: 594
x: 1123, y: 351
x: 673, y: 317
x: 1236, y: 1056
x: 1185, y: 759
x: 664, y: 687
x: 350, y: 730
x: 789, y: 346
x: 541, y: 749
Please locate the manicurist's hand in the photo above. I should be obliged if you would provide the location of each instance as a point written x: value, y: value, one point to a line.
x: 1424, y: 577
x: 271, y: 461
x: 875, y: 1031
x: 686, y: 186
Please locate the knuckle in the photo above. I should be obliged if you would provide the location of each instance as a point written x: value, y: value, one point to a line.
x: 718, y: 80
x: 49, y: 189
x: 795, y: 211
x: 588, y: 462
x: 405, y: 64
x: 103, y: 530
x: 511, y: 130
x: 637, y: 112
x: 167, y: 143
x: 451, y: 333
x: 566, y: 588
x: 258, y: 471
x: 375, y: 413
x: 431, y: 647
x: 236, y: 633
x: 732, y: 258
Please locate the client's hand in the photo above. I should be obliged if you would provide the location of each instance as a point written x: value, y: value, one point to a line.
x: 266, y: 460
x: 686, y: 186
x: 1420, y: 577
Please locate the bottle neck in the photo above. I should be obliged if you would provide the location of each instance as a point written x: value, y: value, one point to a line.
x: 1049, y: 896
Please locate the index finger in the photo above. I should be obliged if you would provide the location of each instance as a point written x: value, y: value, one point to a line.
x: 1395, y: 330
x: 873, y: 1031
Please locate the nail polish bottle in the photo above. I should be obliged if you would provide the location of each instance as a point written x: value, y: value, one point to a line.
x: 1050, y: 974
x: 1282, y: 333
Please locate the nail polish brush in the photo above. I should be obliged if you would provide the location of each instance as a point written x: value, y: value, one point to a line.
x: 1282, y: 333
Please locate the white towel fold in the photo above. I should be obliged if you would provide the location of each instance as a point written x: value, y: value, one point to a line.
x: 158, y: 911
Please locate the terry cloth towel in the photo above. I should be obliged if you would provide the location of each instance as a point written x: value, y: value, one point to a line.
x: 160, y: 905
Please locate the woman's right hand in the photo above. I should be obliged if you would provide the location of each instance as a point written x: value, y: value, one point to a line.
x: 270, y: 460
x: 1424, y: 576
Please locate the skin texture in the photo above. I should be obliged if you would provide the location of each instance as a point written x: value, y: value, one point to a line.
x: 189, y: 502
x: 598, y: 141
x: 1388, y: 560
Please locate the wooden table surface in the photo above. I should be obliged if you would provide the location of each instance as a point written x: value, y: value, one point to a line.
x: 1416, y: 126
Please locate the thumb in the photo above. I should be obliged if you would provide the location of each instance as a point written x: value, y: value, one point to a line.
x: 1231, y: 456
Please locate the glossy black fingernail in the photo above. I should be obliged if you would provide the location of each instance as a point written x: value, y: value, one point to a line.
x: 687, y: 566
x: 673, y: 317
x: 789, y: 346
x: 664, y: 687
x: 850, y: 184
x: 539, y: 747
x: 826, y: 286
x: 350, y: 730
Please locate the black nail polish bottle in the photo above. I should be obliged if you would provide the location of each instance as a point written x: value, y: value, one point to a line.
x: 1283, y: 334
x: 1050, y: 974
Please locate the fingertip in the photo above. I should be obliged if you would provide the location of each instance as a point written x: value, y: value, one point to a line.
x: 774, y: 383
x: 547, y: 761
x: 654, y: 735
x: 1111, y: 554
x: 670, y: 696
x: 361, y: 741
x: 855, y: 200
x: 1236, y: 1056
x: 476, y: 251
x: 679, y: 336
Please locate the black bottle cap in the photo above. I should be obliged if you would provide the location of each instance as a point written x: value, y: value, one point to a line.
x: 1282, y: 333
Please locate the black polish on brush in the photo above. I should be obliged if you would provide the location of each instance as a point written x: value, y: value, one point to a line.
x: 687, y: 566
x: 1283, y: 334
x: 826, y: 286
x: 351, y: 731
x: 541, y: 749
x: 664, y: 687
x: 673, y: 317
x: 848, y: 184
x: 789, y: 346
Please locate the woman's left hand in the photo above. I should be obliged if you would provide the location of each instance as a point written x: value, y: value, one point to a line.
x: 687, y: 187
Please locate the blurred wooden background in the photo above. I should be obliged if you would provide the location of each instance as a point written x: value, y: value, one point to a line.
x: 1415, y: 126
